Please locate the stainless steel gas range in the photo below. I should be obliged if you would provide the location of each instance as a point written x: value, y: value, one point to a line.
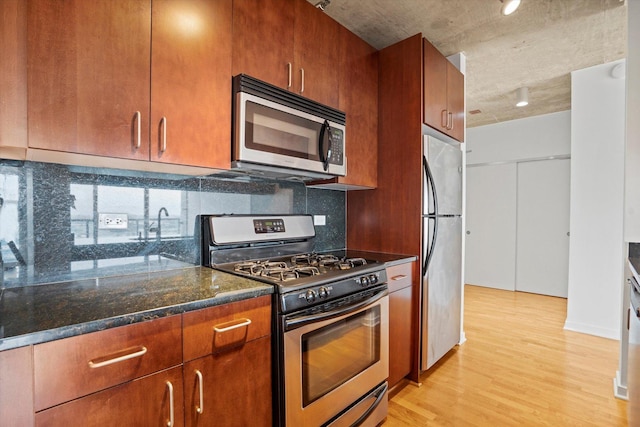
x: 331, y: 320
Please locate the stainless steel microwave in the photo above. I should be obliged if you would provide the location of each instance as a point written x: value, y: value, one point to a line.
x: 279, y: 133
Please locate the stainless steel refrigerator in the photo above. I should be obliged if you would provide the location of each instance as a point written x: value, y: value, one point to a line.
x: 441, y: 249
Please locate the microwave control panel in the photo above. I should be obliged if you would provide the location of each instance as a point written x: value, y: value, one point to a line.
x: 337, y: 146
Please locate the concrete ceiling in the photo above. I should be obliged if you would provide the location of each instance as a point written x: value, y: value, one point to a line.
x: 538, y: 46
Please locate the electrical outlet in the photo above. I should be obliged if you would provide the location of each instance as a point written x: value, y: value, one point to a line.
x: 319, y: 220
x: 113, y: 221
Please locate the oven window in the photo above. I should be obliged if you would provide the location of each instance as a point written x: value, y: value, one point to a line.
x: 334, y: 354
x: 281, y: 133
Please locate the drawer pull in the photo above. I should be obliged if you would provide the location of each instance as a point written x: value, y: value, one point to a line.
x: 171, y: 417
x: 200, y: 408
x: 246, y: 322
x: 399, y: 277
x: 138, y: 118
x: 107, y: 362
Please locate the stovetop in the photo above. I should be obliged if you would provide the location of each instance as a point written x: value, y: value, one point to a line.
x: 279, y: 250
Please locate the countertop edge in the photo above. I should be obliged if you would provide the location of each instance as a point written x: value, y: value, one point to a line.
x: 40, y: 337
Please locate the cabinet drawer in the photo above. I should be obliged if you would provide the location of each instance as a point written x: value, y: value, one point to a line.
x: 149, y: 401
x: 74, y: 367
x: 399, y: 276
x: 216, y: 329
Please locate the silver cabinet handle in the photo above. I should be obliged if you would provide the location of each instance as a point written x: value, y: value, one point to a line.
x: 289, y: 80
x: 163, y: 123
x: 302, y: 76
x: 443, y: 119
x: 171, y: 415
x: 200, y: 408
x: 138, y: 353
x: 138, y: 117
x: 450, y: 119
x: 399, y: 277
x: 246, y: 322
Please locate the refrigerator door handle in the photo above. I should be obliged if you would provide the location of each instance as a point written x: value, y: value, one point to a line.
x: 430, y: 184
x: 427, y: 257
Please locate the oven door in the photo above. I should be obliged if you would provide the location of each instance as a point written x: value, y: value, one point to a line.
x: 335, y: 363
x: 274, y: 134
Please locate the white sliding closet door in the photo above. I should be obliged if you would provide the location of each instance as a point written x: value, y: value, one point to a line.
x: 490, y: 256
x: 542, y: 264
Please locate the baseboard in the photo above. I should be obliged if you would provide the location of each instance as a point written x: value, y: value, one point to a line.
x: 592, y: 330
x: 620, y: 391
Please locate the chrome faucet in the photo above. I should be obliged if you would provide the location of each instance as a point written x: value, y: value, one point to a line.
x: 159, y: 227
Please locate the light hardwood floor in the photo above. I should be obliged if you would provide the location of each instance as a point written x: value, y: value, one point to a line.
x: 518, y: 367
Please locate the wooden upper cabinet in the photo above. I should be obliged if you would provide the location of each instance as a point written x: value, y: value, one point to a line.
x: 13, y: 74
x: 443, y: 96
x: 191, y: 82
x: 316, y: 57
x: 88, y: 76
x: 359, y: 100
x: 263, y: 40
x: 290, y: 44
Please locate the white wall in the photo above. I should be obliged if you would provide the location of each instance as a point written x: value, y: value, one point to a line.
x: 632, y: 169
x: 530, y: 138
x: 597, y: 201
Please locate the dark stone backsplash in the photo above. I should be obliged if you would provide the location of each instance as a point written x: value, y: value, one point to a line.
x: 50, y: 226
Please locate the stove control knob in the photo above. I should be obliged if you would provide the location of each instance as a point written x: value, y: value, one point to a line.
x: 323, y: 292
x: 310, y: 296
x: 364, y: 281
x: 373, y: 279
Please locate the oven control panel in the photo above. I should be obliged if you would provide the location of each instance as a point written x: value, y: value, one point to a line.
x: 322, y: 293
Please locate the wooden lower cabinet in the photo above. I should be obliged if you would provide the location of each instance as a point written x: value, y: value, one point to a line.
x: 400, y: 306
x: 231, y: 388
x: 16, y: 387
x: 153, y: 400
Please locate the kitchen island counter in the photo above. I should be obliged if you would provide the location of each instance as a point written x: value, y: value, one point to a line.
x: 37, y: 314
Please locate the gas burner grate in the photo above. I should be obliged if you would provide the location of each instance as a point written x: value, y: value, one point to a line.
x: 281, y: 274
x: 256, y: 268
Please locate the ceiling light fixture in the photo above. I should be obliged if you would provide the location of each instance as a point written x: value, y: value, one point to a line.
x: 509, y: 6
x: 522, y: 95
x: 323, y: 4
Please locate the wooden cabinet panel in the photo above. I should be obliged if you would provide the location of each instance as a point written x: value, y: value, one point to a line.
x: 263, y: 39
x: 236, y: 387
x: 399, y: 276
x: 144, y: 402
x: 88, y: 75
x: 16, y: 390
x: 219, y: 328
x: 359, y: 100
x: 73, y: 367
x: 455, y: 101
x: 191, y: 82
x: 13, y: 74
x: 443, y: 93
x: 435, y: 88
x: 399, y: 335
x: 315, y: 54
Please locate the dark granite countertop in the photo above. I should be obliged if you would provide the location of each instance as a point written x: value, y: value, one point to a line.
x: 36, y: 314
x: 47, y: 312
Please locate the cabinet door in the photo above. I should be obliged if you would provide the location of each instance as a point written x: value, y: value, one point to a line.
x: 263, y: 40
x: 150, y: 401
x: 87, y: 363
x: 455, y: 102
x: 13, y: 74
x: 16, y: 392
x: 233, y: 388
x: 88, y: 76
x: 359, y: 100
x: 191, y: 82
x: 435, y: 88
x: 399, y: 335
x: 316, y: 56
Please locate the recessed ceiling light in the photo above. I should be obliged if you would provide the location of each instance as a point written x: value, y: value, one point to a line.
x: 509, y: 6
x: 522, y: 95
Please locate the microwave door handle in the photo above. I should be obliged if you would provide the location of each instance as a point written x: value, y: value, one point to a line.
x: 325, y: 129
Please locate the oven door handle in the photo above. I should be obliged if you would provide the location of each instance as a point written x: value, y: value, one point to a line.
x: 298, y: 322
